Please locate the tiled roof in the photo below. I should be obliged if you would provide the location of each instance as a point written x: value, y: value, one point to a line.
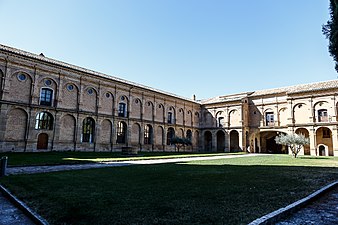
x: 81, y: 69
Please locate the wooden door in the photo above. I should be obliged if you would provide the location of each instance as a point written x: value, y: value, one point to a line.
x: 42, y: 141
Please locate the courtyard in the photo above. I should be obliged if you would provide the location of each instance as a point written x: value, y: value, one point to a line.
x: 221, y: 191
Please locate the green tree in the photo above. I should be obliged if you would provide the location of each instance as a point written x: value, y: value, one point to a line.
x: 330, y: 30
x: 293, y: 141
x: 180, y: 142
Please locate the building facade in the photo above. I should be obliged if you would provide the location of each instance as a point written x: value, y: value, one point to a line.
x: 48, y: 105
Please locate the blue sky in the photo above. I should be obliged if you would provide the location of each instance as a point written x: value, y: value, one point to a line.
x: 202, y: 47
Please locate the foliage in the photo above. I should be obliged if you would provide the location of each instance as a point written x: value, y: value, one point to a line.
x: 293, y: 141
x: 330, y: 30
x: 180, y: 142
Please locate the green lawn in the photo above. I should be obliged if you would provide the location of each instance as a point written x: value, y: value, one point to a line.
x: 56, y: 158
x: 227, y: 191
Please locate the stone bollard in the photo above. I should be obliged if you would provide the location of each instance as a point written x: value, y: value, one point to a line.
x: 3, y: 166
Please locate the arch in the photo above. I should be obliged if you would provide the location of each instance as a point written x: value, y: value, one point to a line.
x: 220, y: 141
x: 107, y: 103
x: 106, y: 131
x: 1, y: 78
x: 322, y: 150
x: 196, y: 139
x: 207, y: 141
x: 121, y: 133
x: 234, y: 118
x: 135, y: 134
x: 189, y: 135
x: 196, y: 119
x: 89, y: 98
x: 148, y: 111
x: 44, y: 121
x: 181, y: 133
x: 170, y: 135
x: 70, y: 94
x: 148, y: 134
x: 305, y: 133
x: 160, y: 113
x: 20, y: 89
x: 42, y: 143
x: 324, y: 137
x: 171, y: 115
x: 159, y: 139
x: 268, y: 143
x: 136, y: 108
x: 189, y: 118
x: 283, y: 117
x: 208, y: 119
x: 88, y: 130
x: 67, y: 128
x: 16, y: 125
x: 180, y: 117
x: 300, y: 113
x: 234, y: 141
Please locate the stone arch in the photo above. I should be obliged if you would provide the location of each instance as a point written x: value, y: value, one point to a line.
x: 180, y: 116
x: 107, y: 103
x: 305, y: 133
x: 67, y: 128
x: 220, y: 141
x: 170, y: 135
x: 196, y: 119
x: 234, y: 118
x: 160, y: 113
x: 220, y: 119
x: 234, y: 141
x: 148, y: 111
x: 148, y: 134
x: 159, y: 139
x: 70, y: 96
x: 89, y: 102
x: 121, y: 132
x: 20, y: 89
x: 16, y: 125
x: 300, y: 113
x: 324, y: 137
x: 171, y: 115
x: 106, y: 131
x: 208, y: 119
x: 321, y: 109
x: 189, y: 118
x: 88, y: 130
x: 207, y: 141
x: 136, y: 108
x: 135, y: 134
x: 196, y: 139
x: 283, y: 116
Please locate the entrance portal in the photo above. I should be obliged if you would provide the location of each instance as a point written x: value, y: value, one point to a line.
x: 42, y: 141
x: 269, y: 145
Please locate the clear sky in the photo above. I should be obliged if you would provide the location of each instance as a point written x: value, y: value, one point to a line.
x: 202, y: 47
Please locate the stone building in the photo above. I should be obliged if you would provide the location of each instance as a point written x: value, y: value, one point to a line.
x: 50, y: 105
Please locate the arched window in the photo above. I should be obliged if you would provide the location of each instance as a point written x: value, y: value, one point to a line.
x: 44, y: 121
x: 148, y: 134
x: 121, y: 133
x: 189, y: 135
x: 122, y: 109
x: 46, y: 96
x: 88, y: 128
x: 170, y: 135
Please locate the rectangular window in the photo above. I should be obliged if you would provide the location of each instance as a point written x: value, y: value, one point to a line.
x: 122, y: 110
x: 270, y: 120
x: 46, y: 97
x: 322, y: 115
x: 170, y: 117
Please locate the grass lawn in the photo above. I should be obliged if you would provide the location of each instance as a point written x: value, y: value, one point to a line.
x: 226, y: 191
x: 56, y: 158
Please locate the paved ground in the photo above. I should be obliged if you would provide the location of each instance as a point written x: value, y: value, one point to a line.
x: 324, y: 211
x: 10, y: 215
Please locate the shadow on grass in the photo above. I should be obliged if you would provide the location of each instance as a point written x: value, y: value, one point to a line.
x: 168, y: 193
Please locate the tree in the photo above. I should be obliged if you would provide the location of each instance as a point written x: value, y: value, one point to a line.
x: 180, y: 142
x: 293, y: 141
x: 330, y: 30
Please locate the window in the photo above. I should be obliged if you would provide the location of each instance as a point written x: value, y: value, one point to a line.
x: 148, y: 135
x: 70, y: 87
x: 170, y: 135
x: 22, y: 77
x: 322, y: 115
x: 44, y: 121
x: 220, y: 121
x: 121, y: 133
x: 122, y: 109
x: 270, y: 121
x: 48, y: 82
x: 170, y: 117
x: 90, y: 91
x: 88, y: 127
x: 326, y: 133
x: 46, y: 97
